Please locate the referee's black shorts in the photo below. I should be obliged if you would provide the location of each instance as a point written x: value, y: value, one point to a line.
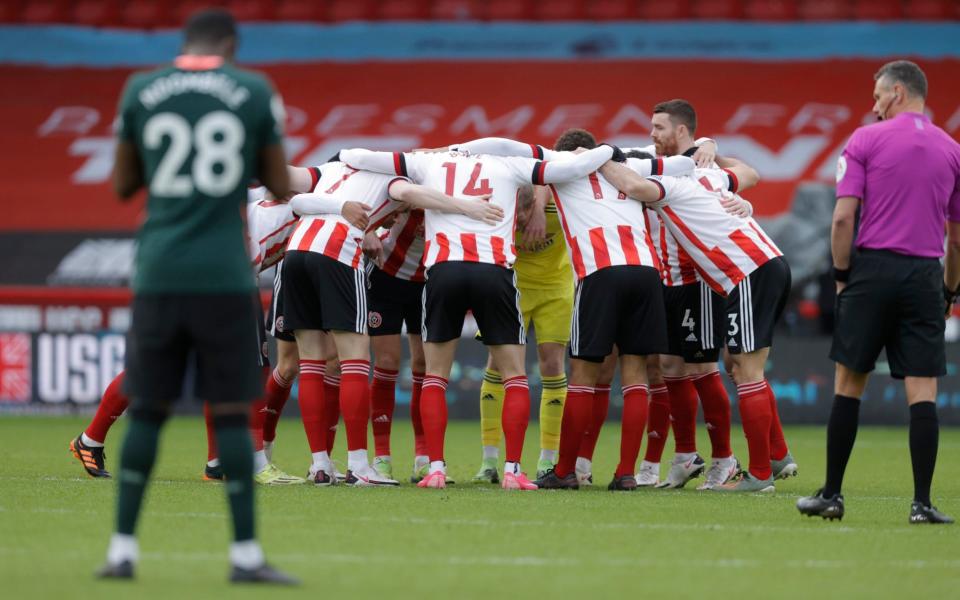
x: 895, y: 302
x: 217, y: 328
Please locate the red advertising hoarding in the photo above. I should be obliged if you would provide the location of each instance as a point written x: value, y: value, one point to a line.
x: 789, y: 120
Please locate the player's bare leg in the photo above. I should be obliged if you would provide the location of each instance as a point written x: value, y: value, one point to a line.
x: 757, y: 408
x: 600, y: 404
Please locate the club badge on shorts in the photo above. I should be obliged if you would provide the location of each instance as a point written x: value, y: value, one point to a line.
x: 374, y: 319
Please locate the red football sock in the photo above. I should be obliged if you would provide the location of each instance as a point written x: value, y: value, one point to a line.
x: 331, y: 409
x: 633, y: 424
x: 420, y: 442
x: 716, y: 412
x: 756, y: 418
x: 382, y: 402
x: 658, y: 423
x: 258, y: 412
x: 312, y: 405
x: 211, y: 434
x: 778, y: 444
x: 683, y: 412
x: 516, y: 416
x: 355, y: 401
x: 278, y: 392
x: 112, y: 405
x: 577, y: 414
x: 433, y: 414
x: 598, y: 414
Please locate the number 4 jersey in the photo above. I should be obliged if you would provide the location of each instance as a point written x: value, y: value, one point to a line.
x: 199, y: 127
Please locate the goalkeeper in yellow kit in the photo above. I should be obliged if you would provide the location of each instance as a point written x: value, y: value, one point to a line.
x: 545, y: 281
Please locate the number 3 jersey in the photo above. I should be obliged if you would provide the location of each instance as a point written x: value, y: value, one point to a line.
x: 198, y: 127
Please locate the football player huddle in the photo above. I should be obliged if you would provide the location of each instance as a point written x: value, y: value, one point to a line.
x: 642, y: 258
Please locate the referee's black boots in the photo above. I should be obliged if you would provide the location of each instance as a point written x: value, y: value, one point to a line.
x: 820, y: 506
x: 919, y: 513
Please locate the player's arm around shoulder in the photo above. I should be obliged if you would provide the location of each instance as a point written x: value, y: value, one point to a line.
x: 632, y: 183
x: 427, y: 198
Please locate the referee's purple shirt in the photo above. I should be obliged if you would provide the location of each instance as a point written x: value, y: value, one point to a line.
x: 906, y: 172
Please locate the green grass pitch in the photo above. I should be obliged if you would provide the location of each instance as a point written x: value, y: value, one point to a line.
x: 476, y: 541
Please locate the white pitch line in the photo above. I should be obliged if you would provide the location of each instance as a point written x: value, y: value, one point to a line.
x: 522, y: 561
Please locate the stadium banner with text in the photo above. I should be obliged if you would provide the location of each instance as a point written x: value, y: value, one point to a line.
x: 790, y: 120
x: 59, y: 348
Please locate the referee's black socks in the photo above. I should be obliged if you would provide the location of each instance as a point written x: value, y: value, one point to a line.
x: 841, y: 434
x: 924, y: 439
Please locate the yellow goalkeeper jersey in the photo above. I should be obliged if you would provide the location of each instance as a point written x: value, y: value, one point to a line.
x: 546, y: 266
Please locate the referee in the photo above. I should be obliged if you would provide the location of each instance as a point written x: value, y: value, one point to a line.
x: 903, y: 174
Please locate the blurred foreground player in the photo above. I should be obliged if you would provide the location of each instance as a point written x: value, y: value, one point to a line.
x: 195, y: 133
x: 904, y: 176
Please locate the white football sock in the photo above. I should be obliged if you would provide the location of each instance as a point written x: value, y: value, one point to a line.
x: 491, y: 452
x: 584, y: 465
x: 550, y: 455
x: 438, y: 465
x: 511, y: 467
x: 213, y: 463
x: 122, y: 548
x: 246, y: 555
x: 420, y: 459
x: 89, y: 441
x: 682, y: 457
x: 260, y: 461
x: 357, y: 459
x: 321, y: 462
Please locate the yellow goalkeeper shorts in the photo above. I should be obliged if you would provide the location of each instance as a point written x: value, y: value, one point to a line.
x: 550, y: 311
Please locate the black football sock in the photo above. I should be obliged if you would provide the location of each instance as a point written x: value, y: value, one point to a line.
x: 924, y: 439
x: 841, y: 434
x: 136, y: 463
x: 236, y: 458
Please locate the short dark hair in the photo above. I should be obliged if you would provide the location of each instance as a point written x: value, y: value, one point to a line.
x: 681, y: 113
x: 572, y: 139
x: 209, y: 26
x: 638, y: 154
x: 906, y: 73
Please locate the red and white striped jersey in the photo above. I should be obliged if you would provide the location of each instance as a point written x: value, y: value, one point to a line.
x: 331, y: 234
x: 603, y: 227
x: 455, y: 237
x: 676, y: 266
x: 403, y: 247
x: 724, y: 248
x: 269, y: 226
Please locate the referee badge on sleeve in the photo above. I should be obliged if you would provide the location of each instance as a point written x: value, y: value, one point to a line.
x: 841, y: 168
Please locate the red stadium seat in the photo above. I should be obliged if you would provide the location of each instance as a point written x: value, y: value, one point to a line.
x: 612, y: 10
x: 825, y: 10
x: 657, y: 10
x: 404, y: 10
x: 770, y: 10
x: 97, y: 13
x: 146, y: 14
x: 351, y: 10
x: 559, y: 10
x: 10, y: 10
x: 877, y: 10
x: 46, y: 11
x: 453, y: 10
x: 717, y: 9
x: 503, y: 10
x: 299, y: 10
x: 931, y: 10
x: 252, y: 10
